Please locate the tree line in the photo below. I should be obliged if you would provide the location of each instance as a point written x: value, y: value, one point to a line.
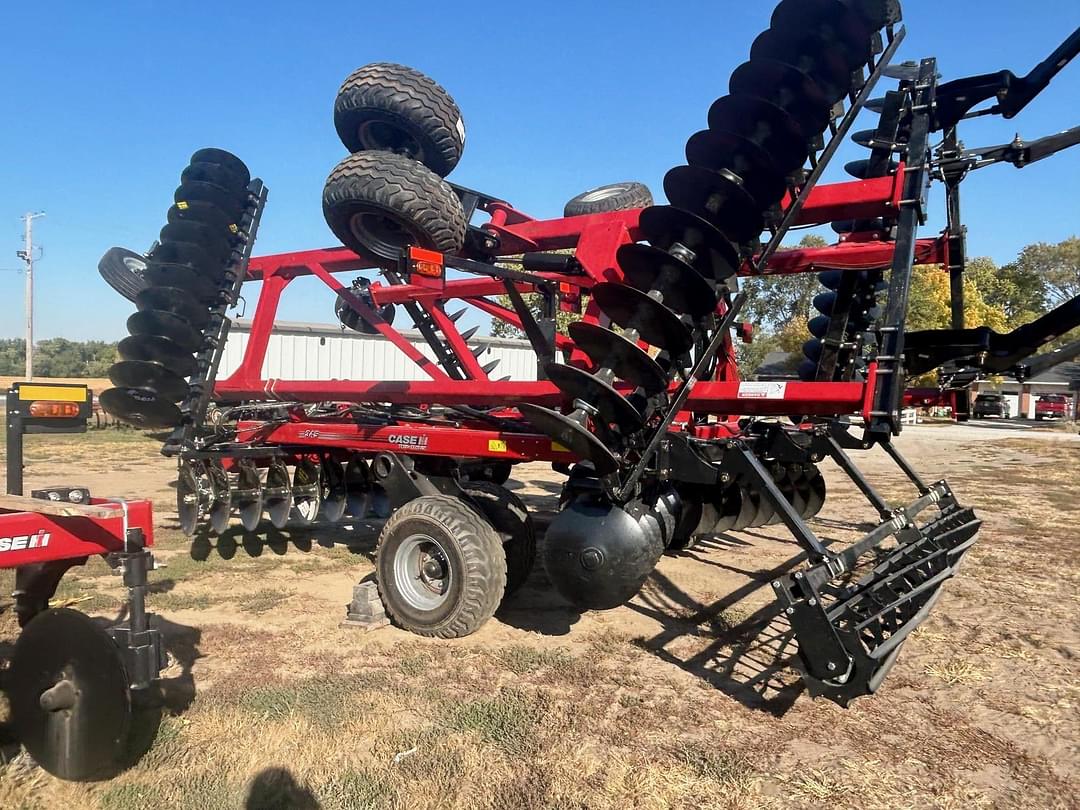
x: 58, y: 357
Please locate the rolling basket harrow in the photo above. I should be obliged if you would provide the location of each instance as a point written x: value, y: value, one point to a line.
x: 640, y: 402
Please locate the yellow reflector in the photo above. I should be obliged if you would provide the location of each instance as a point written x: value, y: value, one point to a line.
x: 57, y: 393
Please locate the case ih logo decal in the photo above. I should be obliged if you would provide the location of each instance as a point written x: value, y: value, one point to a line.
x: 419, y: 442
x: 24, y: 541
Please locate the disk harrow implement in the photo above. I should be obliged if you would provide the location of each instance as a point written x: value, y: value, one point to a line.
x: 639, y: 403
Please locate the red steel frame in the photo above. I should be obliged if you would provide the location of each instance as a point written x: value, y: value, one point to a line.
x: 28, y: 537
x: 595, y: 240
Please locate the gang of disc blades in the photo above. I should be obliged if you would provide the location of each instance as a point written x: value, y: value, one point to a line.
x: 792, y: 90
x: 220, y: 509
x: 67, y: 690
x: 830, y: 63
x: 140, y: 407
x: 188, y: 499
x: 714, y: 255
x: 334, y: 496
x: 571, y: 435
x: 815, y: 492
x: 613, y: 407
x: 192, y: 254
x: 831, y: 20
x: 165, y: 324
x: 728, y: 507
x: 632, y: 309
x: 722, y: 149
x: 177, y: 301
x: 628, y: 361
x: 149, y: 375
x: 228, y: 202
x: 213, y: 242
x: 248, y: 497
x: 277, y: 495
x: 158, y: 349
x: 122, y: 270
x: 749, y: 504
x: 204, y: 213
x: 215, y: 173
x: 766, y: 125
x: 225, y: 158
x: 168, y: 274
x: 684, y: 289
x: 717, y: 198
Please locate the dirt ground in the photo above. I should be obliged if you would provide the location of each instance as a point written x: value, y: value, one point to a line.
x: 683, y: 698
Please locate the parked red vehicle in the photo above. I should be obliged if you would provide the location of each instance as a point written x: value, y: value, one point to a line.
x: 1052, y: 406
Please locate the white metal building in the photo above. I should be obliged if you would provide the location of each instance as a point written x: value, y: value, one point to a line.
x: 310, y: 351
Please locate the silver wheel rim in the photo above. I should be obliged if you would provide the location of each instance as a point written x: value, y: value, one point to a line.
x: 422, y: 573
x: 603, y: 193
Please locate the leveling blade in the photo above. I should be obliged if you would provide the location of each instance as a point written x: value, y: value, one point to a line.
x: 852, y: 612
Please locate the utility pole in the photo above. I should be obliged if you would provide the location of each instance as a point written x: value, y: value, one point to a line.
x: 27, y: 255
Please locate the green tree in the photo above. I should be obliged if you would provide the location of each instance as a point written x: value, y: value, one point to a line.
x: 12, y: 356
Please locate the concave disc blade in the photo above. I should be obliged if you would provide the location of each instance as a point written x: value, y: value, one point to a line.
x: 717, y: 198
x: 213, y: 242
x: 182, y: 276
x: 204, y: 213
x: 122, y: 270
x: 277, y: 494
x: 750, y: 503
x: 167, y: 325
x: 192, y: 254
x: 333, y: 490
x: 830, y: 20
x: 224, y: 158
x: 177, y: 301
x: 766, y: 511
x: 869, y: 139
x: 220, y: 510
x: 830, y: 62
x: 140, y: 407
x: 158, y: 350
x: 650, y: 269
x: 149, y: 375
x: 665, y: 225
x: 578, y: 384
x: 766, y: 125
x: 189, y: 504
x: 216, y: 173
x: 64, y: 659
x: 247, y: 496
x: 814, y: 491
x: 626, y: 359
x: 230, y: 203
x: 861, y: 168
x: 792, y: 90
x: 728, y: 507
x: 633, y: 309
x: 307, y: 491
x: 571, y: 435
x: 718, y: 149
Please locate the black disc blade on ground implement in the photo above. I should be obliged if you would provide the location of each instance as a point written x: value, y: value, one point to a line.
x: 215, y: 243
x: 140, y: 407
x: 215, y: 173
x: 718, y: 149
x: 830, y: 62
x: 184, y: 277
x: 632, y: 309
x: 665, y: 225
x: 177, y: 301
x: 158, y: 350
x: 764, y: 124
x: 187, y: 253
x: 792, y: 90
x: 627, y: 360
x: 650, y: 269
x: 189, y: 501
x: 571, y: 435
x: 830, y: 20
x: 204, y: 213
x: 718, y: 198
x: 149, y: 375
x: 230, y: 203
x: 167, y: 325
x: 612, y: 406
x: 69, y: 697
x: 122, y: 270
x: 224, y: 158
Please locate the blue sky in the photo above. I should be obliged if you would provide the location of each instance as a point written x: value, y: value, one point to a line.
x: 104, y: 102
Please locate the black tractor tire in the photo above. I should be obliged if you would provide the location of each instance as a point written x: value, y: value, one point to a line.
x: 605, y: 199
x: 378, y: 203
x: 508, y: 514
x: 474, y: 558
x: 122, y: 270
x: 393, y: 108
